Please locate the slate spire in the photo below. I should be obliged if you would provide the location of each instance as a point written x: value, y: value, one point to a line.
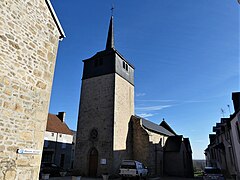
x: 110, y: 38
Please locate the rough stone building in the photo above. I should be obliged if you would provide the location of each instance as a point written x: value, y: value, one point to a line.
x: 108, y: 131
x: 29, y: 36
x: 58, y: 142
x: 148, y: 140
x: 178, y: 150
x: 106, y: 106
x: 163, y: 151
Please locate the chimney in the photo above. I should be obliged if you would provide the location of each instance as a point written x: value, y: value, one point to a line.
x: 236, y: 101
x: 61, y: 116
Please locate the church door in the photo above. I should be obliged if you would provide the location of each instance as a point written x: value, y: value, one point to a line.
x: 93, y: 162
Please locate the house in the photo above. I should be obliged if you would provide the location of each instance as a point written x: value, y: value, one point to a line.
x: 235, y: 133
x: 224, y: 146
x: 29, y: 37
x: 58, y: 142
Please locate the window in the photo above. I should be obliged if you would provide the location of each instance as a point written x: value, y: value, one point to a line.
x: 60, y: 135
x: 93, y: 134
x: 52, y: 134
x: 124, y: 65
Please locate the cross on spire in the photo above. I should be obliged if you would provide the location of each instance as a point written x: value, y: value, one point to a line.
x: 112, y: 10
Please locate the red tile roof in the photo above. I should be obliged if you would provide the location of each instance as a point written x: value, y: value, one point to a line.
x: 54, y: 124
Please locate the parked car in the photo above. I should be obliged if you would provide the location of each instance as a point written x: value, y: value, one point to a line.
x: 131, y: 168
x: 52, y: 169
x: 213, y: 173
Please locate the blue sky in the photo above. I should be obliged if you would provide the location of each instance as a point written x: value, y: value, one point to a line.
x: 185, y: 53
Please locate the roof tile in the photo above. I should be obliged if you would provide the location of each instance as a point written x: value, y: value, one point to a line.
x: 54, y: 124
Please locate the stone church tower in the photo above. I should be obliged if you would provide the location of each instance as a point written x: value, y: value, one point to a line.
x: 106, y: 107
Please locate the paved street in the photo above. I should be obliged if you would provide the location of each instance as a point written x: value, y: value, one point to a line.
x: 162, y: 178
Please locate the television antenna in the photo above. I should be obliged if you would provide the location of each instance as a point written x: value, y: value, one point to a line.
x: 228, y: 104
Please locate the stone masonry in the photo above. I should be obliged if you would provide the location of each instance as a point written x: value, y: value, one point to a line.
x: 28, y: 47
x: 123, y: 110
x: 96, y: 112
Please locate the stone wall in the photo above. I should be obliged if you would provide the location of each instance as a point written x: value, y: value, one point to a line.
x: 140, y: 142
x: 176, y: 168
x: 178, y: 163
x: 96, y: 112
x: 147, y: 147
x: 28, y: 47
x: 123, y: 110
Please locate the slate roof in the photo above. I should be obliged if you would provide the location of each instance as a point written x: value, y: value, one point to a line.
x: 166, y: 126
x: 154, y: 127
x: 173, y: 143
x: 110, y: 38
x: 54, y: 124
x: 107, y: 52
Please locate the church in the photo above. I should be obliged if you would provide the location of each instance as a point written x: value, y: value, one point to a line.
x: 108, y: 130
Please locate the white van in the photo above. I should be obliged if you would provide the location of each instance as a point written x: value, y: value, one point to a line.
x: 131, y: 168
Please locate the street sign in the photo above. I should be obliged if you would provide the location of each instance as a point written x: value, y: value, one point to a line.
x: 103, y: 161
x: 28, y: 151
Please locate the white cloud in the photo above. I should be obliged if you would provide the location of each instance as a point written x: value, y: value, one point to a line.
x: 145, y: 115
x: 140, y: 94
x: 156, y: 100
x: 152, y: 108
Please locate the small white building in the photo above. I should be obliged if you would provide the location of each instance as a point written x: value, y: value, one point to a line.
x: 58, y: 142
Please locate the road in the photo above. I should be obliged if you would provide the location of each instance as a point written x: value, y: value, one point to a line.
x: 159, y: 178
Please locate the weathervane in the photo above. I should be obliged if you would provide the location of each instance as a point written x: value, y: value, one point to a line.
x: 112, y: 9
